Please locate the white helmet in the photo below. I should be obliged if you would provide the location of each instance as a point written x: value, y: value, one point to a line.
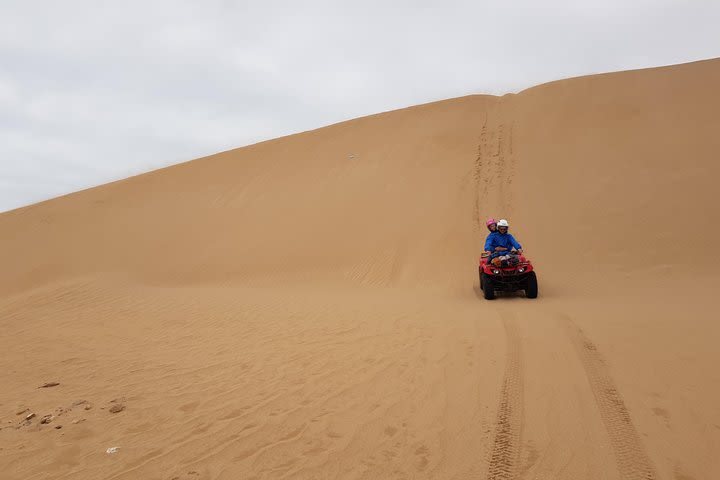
x: 503, y: 223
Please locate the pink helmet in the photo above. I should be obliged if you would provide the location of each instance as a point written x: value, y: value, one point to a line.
x: 489, y: 222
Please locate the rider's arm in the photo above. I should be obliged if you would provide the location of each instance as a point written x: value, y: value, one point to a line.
x: 514, y: 243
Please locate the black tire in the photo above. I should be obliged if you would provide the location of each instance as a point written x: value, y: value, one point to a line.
x: 489, y: 287
x: 480, y: 272
x: 531, y: 289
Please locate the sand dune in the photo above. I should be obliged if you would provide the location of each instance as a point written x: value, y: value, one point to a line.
x: 308, y: 307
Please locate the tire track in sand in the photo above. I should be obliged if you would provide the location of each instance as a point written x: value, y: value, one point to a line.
x: 505, y: 454
x: 633, y: 462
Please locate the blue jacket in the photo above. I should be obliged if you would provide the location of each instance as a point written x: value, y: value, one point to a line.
x: 497, y: 239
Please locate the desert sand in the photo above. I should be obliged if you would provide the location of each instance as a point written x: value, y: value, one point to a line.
x: 309, y: 308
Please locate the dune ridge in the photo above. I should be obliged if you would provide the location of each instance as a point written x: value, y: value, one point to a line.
x: 308, y: 307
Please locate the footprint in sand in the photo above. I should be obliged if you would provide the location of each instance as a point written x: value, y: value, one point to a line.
x: 190, y: 475
x: 422, y: 452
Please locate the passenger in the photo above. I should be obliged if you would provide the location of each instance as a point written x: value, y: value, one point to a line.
x: 501, y: 244
x: 491, y: 225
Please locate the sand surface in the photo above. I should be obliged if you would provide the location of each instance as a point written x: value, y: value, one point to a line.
x: 309, y: 307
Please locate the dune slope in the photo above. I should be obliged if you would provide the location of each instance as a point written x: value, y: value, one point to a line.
x: 309, y: 307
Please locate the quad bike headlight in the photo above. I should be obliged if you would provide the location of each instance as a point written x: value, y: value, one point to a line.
x: 496, y: 271
x: 521, y: 269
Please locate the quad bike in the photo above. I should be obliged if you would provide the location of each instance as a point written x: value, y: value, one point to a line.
x: 512, y: 276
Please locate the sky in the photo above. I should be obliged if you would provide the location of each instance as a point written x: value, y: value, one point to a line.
x: 93, y: 91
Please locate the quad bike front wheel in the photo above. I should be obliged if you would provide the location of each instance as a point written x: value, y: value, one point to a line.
x: 531, y: 288
x: 488, y: 287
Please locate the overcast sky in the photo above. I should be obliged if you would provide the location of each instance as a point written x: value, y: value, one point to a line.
x: 92, y: 91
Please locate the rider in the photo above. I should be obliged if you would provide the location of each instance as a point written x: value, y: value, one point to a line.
x: 501, y: 243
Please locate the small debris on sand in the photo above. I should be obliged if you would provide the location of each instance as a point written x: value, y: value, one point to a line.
x: 49, y: 384
x: 46, y: 419
x: 118, y: 407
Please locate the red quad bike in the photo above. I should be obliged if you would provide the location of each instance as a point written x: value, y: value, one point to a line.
x: 509, y: 277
